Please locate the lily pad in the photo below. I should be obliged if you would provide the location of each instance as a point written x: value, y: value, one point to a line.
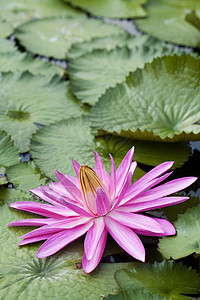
x: 7, y: 46
x: 187, y: 240
x: 33, y: 100
x: 25, y: 176
x: 168, y: 279
x: 5, y: 29
x: 27, y: 277
x: 143, y: 108
x: 54, y: 36
x: 94, y: 72
x: 167, y: 21
x: 9, y: 154
x: 112, y: 8
x: 54, y: 146
x: 20, y: 11
x: 141, y: 295
x: 16, y: 61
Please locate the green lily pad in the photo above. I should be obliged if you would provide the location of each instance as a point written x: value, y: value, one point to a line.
x: 149, y: 153
x: 20, y: 11
x: 9, y: 154
x: 112, y: 8
x: 7, y: 46
x: 139, y: 295
x: 54, y: 146
x: 193, y: 19
x: 93, y: 73
x: 187, y: 240
x: 33, y: 100
x: 108, y: 43
x: 25, y: 176
x: 5, y: 29
x: 143, y: 108
x: 172, y: 212
x: 54, y: 36
x: 168, y: 279
x: 26, y: 277
x: 25, y: 62
x: 167, y: 21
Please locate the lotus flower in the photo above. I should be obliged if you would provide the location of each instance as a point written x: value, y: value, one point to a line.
x: 97, y: 203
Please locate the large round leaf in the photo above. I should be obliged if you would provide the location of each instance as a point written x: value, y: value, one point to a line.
x: 7, y: 46
x: 5, y: 29
x: 20, y: 11
x: 25, y: 176
x: 168, y: 279
x: 167, y: 20
x: 31, y: 100
x: 25, y: 62
x: 9, y: 154
x: 93, y: 73
x: 54, y: 36
x: 187, y: 240
x: 112, y: 8
x: 131, y: 295
x: 54, y: 146
x: 159, y: 102
x: 23, y: 276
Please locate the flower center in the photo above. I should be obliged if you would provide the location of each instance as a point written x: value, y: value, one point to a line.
x: 89, y: 182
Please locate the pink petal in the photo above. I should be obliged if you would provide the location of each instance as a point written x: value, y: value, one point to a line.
x: 90, y: 265
x: 81, y: 211
x: 136, y: 221
x: 123, y: 170
x: 44, y: 209
x: 157, y: 203
x: 35, y: 239
x: 62, y: 239
x: 32, y: 222
x: 168, y: 188
x: 167, y: 226
x: 124, y: 190
x: 69, y: 186
x: 56, y: 226
x: 126, y: 238
x: 93, y: 236
x: 100, y: 170
x: 112, y: 188
x: 102, y: 202
x: 76, y: 167
x: 57, y: 201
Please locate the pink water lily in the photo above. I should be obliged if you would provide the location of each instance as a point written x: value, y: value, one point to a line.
x: 97, y: 203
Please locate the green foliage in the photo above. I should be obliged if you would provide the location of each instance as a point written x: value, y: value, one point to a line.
x: 167, y: 20
x: 5, y: 29
x: 9, y: 154
x: 187, y: 239
x: 142, y: 107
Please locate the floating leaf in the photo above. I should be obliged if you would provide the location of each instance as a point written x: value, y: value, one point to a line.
x: 149, y: 153
x: 193, y: 19
x: 166, y: 21
x: 169, y: 279
x: 187, y: 240
x: 143, y: 108
x: 93, y: 73
x: 172, y: 212
x: 54, y: 36
x: 108, y: 43
x: 20, y: 11
x: 139, y: 295
x: 5, y: 29
x: 7, y: 46
x: 25, y: 62
x: 9, y: 154
x: 27, y: 277
x: 33, y: 100
x: 54, y: 146
x: 25, y: 176
x: 112, y: 8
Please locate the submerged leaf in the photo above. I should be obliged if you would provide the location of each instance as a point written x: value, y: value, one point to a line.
x: 112, y: 8
x: 167, y: 21
x: 187, y: 239
x: 25, y: 176
x: 54, y: 36
x: 33, y: 100
x: 168, y: 279
x: 159, y: 102
x: 94, y: 72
